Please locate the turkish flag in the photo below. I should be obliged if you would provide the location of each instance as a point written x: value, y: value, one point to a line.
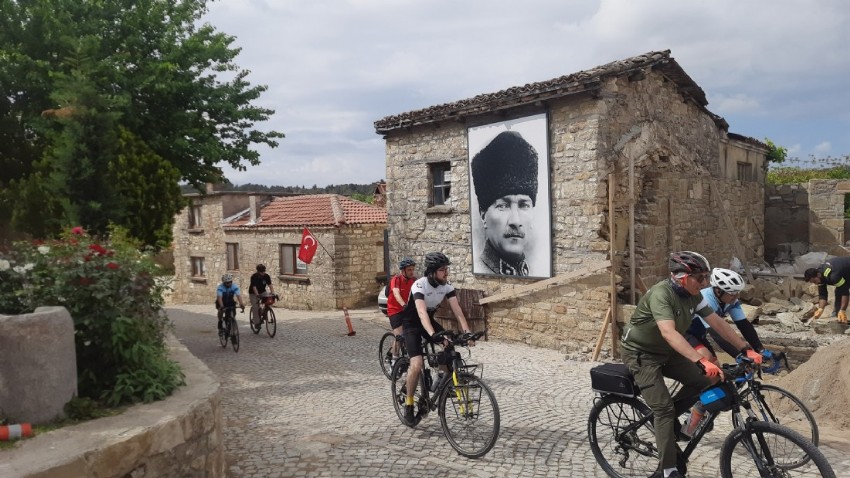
x: 308, y: 246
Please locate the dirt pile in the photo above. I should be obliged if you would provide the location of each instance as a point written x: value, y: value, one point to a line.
x: 823, y: 384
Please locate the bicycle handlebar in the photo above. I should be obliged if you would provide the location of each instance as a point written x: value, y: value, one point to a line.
x: 461, y: 340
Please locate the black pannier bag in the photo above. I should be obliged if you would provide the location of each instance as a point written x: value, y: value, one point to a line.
x: 613, y: 378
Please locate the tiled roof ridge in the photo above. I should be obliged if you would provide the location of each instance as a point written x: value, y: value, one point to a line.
x: 339, y: 215
x: 577, y: 82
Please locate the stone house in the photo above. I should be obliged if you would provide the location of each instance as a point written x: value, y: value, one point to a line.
x: 233, y: 232
x: 640, y: 125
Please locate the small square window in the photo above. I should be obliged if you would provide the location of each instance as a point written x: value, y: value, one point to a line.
x: 441, y: 183
x: 198, y: 267
x: 232, y: 256
x: 290, y: 264
x: 745, y: 172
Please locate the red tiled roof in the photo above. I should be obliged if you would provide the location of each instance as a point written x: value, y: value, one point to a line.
x: 314, y: 210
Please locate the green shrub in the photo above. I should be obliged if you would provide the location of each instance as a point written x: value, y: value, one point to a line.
x: 109, y: 289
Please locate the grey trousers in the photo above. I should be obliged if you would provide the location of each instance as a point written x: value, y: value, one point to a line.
x: 649, y: 371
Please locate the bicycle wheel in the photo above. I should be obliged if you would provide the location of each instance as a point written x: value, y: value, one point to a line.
x: 777, y: 405
x: 469, y: 416
x: 385, y: 354
x: 225, y: 332
x: 234, y: 334
x: 254, y: 327
x: 622, y: 454
x: 399, y: 390
x: 271, y: 323
x: 761, y: 448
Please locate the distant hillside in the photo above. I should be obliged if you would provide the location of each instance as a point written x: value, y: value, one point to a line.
x: 362, y: 190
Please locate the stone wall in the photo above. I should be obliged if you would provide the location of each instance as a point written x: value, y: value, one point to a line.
x: 826, y: 213
x: 590, y: 136
x: 345, y: 280
x: 680, y: 214
x: 786, y: 216
x: 179, y: 436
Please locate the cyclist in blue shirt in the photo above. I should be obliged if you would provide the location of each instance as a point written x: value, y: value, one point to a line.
x: 722, y: 296
x: 227, y: 295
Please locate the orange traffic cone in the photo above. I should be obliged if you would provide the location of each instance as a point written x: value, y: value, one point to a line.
x: 351, y: 331
x: 13, y: 432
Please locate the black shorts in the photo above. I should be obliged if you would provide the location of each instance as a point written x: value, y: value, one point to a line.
x: 397, y: 320
x: 414, y: 333
x: 697, y: 343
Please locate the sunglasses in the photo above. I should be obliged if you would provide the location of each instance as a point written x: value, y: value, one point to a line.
x: 700, y: 277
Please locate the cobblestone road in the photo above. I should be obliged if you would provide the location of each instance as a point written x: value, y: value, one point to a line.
x: 312, y: 402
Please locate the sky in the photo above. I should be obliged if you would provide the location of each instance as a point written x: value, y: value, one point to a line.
x: 777, y: 69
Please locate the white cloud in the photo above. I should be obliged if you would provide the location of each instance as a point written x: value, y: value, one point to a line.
x: 823, y: 148
x: 335, y: 67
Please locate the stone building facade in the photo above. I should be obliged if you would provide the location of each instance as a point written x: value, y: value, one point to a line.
x: 233, y: 232
x: 642, y: 120
x: 809, y: 215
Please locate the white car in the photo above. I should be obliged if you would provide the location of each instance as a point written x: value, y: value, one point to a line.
x: 382, y: 301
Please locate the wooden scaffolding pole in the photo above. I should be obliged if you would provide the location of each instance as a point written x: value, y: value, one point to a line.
x: 612, y: 309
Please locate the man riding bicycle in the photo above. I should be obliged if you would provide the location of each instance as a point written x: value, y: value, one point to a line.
x: 400, y: 285
x: 426, y: 294
x: 259, y: 281
x: 227, y: 294
x: 654, y: 347
x: 722, y: 297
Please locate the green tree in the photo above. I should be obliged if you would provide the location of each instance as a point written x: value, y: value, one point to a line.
x: 775, y: 154
x: 81, y: 77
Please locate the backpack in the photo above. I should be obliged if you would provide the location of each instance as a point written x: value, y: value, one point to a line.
x: 387, y: 288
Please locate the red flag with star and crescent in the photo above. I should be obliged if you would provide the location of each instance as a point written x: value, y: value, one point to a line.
x: 309, y: 244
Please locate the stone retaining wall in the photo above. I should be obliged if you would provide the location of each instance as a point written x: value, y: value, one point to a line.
x: 179, y: 436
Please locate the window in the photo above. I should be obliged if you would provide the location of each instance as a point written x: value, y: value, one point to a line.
x: 745, y: 172
x: 195, y: 216
x: 290, y: 264
x: 198, y: 267
x: 232, y: 256
x: 441, y: 183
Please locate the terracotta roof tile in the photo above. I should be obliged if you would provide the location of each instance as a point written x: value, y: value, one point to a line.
x: 314, y: 210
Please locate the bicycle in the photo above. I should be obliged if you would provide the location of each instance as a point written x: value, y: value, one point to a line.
x: 231, y: 328
x: 622, y: 438
x: 775, y: 404
x: 266, y: 314
x: 385, y: 353
x: 469, y: 414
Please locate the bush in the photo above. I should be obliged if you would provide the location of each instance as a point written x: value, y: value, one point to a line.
x: 109, y: 289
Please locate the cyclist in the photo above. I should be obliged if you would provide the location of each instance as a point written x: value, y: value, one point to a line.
x: 227, y: 295
x: 259, y: 281
x: 654, y: 348
x: 722, y: 296
x: 400, y: 285
x: 426, y: 294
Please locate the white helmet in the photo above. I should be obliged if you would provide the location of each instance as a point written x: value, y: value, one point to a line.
x: 727, y: 280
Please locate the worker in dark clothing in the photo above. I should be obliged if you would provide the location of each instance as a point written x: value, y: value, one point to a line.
x: 835, y: 272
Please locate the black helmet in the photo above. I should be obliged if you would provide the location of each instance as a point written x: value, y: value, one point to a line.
x: 435, y: 260
x: 406, y: 262
x: 261, y: 268
x: 688, y: 262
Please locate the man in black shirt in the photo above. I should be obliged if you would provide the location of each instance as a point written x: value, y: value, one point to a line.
x: 835, y: 272
x: 259, y: 281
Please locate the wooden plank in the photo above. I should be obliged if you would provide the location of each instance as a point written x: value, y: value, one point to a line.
x: 593, y: 268
x: 601, y: 338
x: 612, y: 307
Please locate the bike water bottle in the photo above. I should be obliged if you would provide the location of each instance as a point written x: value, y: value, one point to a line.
x: 697, y: 412
x: 437, y: 382
x: 428, y: 381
